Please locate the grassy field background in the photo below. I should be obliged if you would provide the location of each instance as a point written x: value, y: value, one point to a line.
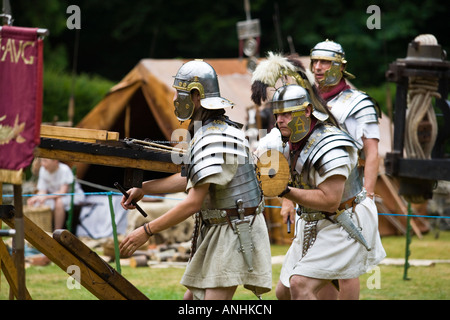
x: 426, y: 282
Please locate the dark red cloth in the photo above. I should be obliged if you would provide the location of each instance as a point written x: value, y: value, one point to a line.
x: 21, y: 70
x: 341, y: 86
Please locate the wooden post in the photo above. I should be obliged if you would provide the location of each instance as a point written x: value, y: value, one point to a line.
x: 10, y: 272
x: 19, y: 242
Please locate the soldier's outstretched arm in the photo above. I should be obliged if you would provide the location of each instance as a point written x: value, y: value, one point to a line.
x: 170, y: 184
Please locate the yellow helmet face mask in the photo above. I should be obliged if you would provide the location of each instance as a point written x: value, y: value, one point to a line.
x: 184, y: 106
x: 295, y: 99
x: 332, y: 76
x: 201, y: 76
x: 299, y: 125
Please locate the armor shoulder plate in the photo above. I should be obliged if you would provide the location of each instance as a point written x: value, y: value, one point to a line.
x: 210, y: 147
x: 334, y: 158
x: 355, y: 103
x: 326, y: 149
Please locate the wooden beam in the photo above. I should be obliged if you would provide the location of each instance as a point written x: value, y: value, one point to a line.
x: 113, y: 161
x: 400, y: 204
x: 77, y: 134
x: 97, y: 264
x: 63, y: 259
x: 10, y: 271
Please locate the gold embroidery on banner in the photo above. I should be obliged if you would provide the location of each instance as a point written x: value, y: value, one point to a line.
x: 8, y: 133
x: 16, y: 51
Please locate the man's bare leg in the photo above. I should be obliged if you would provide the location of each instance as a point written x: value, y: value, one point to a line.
x: 305, y: 288
x: 282, y: 292
x: 349, y: 289
x: 59, y: 214
x: 220, y: 293
x: 328, y: 292
x: 188, y: 295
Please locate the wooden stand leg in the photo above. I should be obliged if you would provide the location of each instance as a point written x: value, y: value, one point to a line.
x: 19, y: 242
x: 9, y: 270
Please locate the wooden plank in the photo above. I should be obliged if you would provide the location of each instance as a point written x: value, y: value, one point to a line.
x: 63, y: 259
x: 113, y: 161
x: 393, y: 221
x: 97, y: 264
x: 77, y: 134
x: 19, y: 242
x: 400, y: 204
x: 433, y: 169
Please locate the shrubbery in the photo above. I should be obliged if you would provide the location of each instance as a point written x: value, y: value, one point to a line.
x: 88, y: 91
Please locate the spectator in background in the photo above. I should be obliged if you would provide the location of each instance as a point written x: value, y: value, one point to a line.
x: 55, y: 180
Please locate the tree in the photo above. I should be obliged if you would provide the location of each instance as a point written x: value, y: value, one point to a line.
x: 116, y: 34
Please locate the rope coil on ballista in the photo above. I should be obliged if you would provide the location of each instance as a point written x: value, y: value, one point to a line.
x: 421, y: 112
x: 421, y: 123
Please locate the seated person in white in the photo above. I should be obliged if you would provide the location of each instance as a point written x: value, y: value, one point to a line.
x: 55, y: 179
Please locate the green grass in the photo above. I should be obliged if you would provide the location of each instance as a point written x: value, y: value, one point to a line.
x: 426, y: 283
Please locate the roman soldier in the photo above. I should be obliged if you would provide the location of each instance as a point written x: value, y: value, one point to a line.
x: 336, y: 227
x: 230, y: 245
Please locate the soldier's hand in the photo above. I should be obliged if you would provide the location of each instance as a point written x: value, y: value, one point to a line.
x: 287, y: 210
x: 135, y: 194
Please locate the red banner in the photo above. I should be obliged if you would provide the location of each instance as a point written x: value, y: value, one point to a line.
x: 21, y: 64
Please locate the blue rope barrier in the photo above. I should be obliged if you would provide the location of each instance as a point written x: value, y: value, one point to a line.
x: 106, y: 193
x: 393, y: 214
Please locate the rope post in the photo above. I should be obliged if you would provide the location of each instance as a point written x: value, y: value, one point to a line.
x: 116, y: 241
x: 408, y: 242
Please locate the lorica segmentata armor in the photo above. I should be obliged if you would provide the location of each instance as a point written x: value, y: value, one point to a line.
x: 238, y: 200
x: 355, y: 103
x: 326, y: 150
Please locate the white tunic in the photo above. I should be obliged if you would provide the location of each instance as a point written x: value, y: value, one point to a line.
x: 218, y: 262
x: 334, y: 255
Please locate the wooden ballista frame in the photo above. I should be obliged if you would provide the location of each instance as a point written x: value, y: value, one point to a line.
x: 64, y: 249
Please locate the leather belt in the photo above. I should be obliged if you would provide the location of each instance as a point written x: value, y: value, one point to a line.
x: 234, y: 212
x: 313, y: 216
x: 350, y: 203
x: 361, y: 162
x: 227, y: 217
x: 222, y: 216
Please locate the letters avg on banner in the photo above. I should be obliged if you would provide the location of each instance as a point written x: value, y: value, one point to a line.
x: 21, y: 66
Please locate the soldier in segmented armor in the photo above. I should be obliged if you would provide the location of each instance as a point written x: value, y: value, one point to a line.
x: 336, y: 234
x: 356, y: 112
x: 230, y: 244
